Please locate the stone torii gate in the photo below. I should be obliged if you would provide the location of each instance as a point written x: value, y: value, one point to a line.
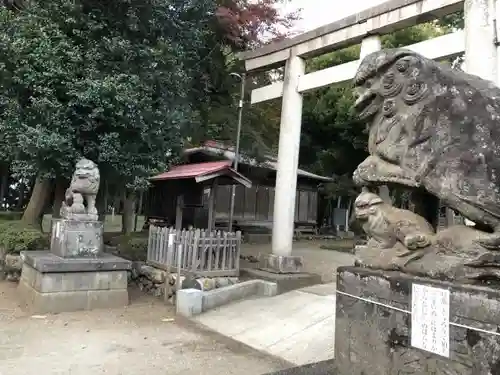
x: 478, y: 41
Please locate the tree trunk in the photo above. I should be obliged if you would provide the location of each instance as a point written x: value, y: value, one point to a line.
x: 59, y: 193
x: 337, y: 226
x: 33, y: 214
x: 101, y: 201
x: 128, y: 212
x: 116, y: 203
x: 105, y: 194
x: 348, y: 214
x: 4, y: 185
x: 139, y: 210
x: 21, y: 191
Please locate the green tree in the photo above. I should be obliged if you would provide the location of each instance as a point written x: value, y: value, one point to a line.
x: 124, y: 83
x: 239, y: 25
x: 107, y: 80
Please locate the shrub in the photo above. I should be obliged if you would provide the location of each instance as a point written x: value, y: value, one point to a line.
x: 132, y: 247
x: 16, y: 237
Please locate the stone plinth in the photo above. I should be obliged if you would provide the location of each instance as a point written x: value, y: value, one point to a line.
x: 281, y: 264
x: 76, y: 238
x: 376, y: 340
x: 51, y: 284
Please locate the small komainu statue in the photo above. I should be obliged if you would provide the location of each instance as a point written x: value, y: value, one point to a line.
x: 386, y: 225
x: 80, y: 197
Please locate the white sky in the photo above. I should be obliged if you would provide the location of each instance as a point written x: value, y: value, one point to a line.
x: 316, y: 13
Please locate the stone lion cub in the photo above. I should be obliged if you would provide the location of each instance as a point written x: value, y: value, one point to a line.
x: 386, y: 225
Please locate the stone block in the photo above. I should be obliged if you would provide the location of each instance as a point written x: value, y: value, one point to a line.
x: 13, y: 262
x: 376, y: 340
x: 52, y: 284
x: 156, y: 275
x: 73, y: 281
x: 188, y: 299
x: 75, y: 238
x: 57, y: 302
x: 267, y: 289
x: 285, y: 281
x: 282, y: 264
x: 46, y: 262
x: 219, y: 297
x: 189, y: 302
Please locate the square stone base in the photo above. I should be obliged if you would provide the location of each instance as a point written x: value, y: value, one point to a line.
x: 281, y: 264
x: 374, y: 339
x: 76, y: 238
x: 285, y: 282
x: 50, y: 284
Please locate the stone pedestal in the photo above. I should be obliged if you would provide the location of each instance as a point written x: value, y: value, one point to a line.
x: 281, y: 264
x: 286, y: 271
x: 76, y: 238
x: 52, y: 284
x: 374, y: 339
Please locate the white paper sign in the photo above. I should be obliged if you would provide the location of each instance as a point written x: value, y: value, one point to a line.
x: 430, y: 319
x: 58, y: 229
x: 171, y: 238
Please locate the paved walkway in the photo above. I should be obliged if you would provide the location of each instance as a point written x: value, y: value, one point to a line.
x: 144, y: 338
x: 298, y: 326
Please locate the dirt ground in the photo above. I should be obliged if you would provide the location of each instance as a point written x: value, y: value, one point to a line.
x: 316, y: 260
x: 144, y: 338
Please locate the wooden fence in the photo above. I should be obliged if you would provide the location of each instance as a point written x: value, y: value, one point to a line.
x: 204, y: 253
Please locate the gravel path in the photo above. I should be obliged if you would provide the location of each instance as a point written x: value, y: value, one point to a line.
x: 144, y: 338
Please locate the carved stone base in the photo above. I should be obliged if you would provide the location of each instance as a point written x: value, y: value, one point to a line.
x: 281, y: 264
x: 376, y: 340
x: 75, y: 238
x: 454, y: 255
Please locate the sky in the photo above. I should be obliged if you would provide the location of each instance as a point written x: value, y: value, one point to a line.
x: 316, y: 13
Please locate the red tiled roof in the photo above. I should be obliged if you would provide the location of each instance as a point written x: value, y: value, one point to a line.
x: 193, y: 170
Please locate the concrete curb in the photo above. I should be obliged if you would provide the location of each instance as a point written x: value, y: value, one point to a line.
x: 192, y: 302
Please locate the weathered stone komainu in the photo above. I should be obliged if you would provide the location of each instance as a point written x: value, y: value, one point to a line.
x: 75, y: 274
x: 84, y: 186
x: 437, y: 129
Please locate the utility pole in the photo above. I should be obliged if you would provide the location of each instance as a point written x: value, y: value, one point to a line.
x: 242, y: 78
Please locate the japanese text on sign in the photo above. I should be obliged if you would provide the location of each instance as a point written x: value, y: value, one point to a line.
x: 430, y: 319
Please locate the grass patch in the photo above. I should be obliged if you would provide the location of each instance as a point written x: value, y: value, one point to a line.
x: 10, y: 215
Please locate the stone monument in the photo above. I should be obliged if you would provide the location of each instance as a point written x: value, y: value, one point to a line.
x: 436, y: 131
x: 75, y: 274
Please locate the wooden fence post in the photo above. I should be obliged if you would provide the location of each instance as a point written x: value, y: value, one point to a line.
x: 170, y: 250
x: 238, y: 249
x: 179, y: 263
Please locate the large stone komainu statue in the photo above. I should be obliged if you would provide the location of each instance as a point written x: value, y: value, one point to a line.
x: 436, y: 129
x: 82, y: 190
